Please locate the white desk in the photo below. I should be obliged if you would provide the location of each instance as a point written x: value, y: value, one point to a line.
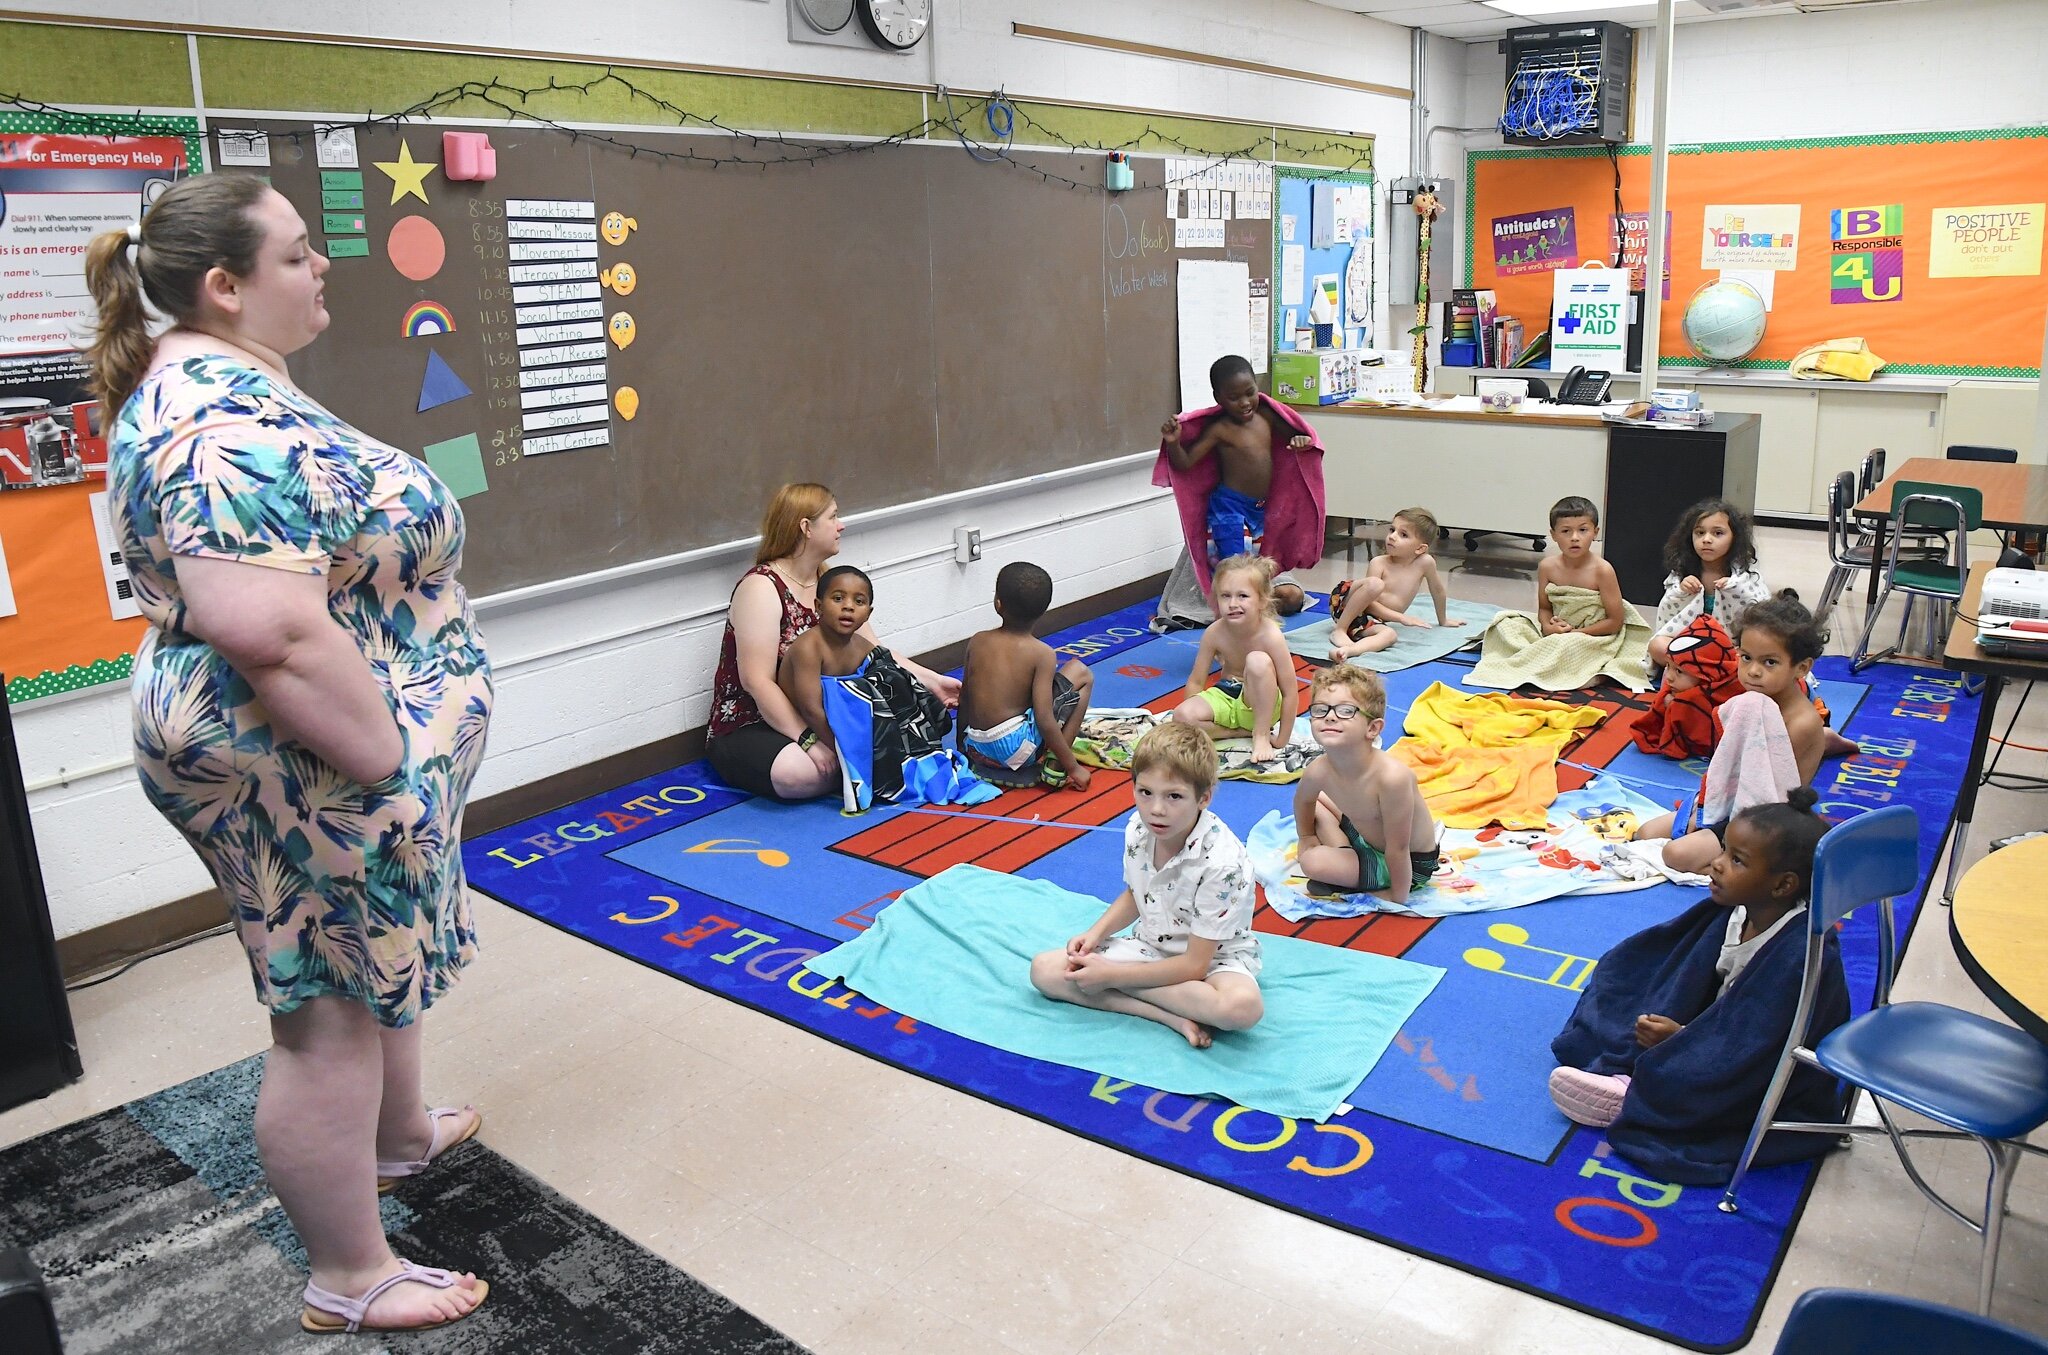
x: 1499, y: 472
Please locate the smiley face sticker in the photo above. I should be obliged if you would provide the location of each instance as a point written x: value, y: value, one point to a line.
x: 626, y: 400
x: 622, y: 329
x: 621, y: 278
x: 615, y: 226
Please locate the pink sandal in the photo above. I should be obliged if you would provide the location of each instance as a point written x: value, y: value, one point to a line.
x: 329, y: 1314
x: 1590, y: 1099
x: 388, y: 1173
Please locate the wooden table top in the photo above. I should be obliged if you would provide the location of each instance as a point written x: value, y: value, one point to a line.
x: 1999, y: 922
x: 2015, y: 495
x: 1961, y: 652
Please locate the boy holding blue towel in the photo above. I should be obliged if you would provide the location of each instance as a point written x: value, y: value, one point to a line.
x: 1191, y: 963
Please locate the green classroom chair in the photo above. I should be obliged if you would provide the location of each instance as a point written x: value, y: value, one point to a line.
x: 1920, y: 509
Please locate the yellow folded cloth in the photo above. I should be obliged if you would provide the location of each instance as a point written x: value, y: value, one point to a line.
x: 1450, y: 718
x: 1472, y: 787
x: 1840, y: 359
x: 1488, y: 757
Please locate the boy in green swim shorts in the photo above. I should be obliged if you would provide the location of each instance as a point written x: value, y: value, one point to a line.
x: 1357, y: 810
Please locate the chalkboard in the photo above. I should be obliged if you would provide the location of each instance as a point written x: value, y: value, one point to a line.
x: 898, y: 323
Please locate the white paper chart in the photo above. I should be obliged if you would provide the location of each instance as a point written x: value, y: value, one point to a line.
x: 560, y: 324
x: 114, y: 568
x: 1215, y: 310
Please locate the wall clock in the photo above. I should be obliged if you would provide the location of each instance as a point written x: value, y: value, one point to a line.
x: 898, y: 25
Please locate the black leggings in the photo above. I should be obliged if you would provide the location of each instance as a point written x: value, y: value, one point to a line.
x: 745, y: 758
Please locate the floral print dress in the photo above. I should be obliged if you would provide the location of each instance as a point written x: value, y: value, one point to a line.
x: 336, y: 888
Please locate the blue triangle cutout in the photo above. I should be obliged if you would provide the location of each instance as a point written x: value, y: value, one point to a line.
x: 440, y: 386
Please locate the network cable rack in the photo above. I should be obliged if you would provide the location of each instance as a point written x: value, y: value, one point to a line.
x: 1568, y: 85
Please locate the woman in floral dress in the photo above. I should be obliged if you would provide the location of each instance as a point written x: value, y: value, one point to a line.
x: 310, y: 706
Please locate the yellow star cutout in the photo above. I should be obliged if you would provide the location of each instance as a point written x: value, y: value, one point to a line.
x: 407, y: 174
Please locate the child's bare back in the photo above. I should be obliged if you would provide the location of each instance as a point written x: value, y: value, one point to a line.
x: 1804, y: 727
x: 1001, y: 667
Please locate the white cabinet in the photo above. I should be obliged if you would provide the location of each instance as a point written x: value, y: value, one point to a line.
x: 1854, y: 419
x: 1986, y: 415
x: 1785, y: 446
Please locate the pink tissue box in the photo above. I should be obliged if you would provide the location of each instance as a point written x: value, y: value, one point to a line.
x: 468, y: 155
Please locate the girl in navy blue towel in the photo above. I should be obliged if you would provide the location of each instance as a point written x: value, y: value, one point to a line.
x: 1674, y: 1041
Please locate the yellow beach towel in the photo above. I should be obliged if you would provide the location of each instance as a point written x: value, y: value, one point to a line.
x: 1488, y: 757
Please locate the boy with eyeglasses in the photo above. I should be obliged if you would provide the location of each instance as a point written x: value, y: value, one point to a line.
x: 1355, y: 809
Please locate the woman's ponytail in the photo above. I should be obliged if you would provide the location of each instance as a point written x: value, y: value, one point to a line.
x: 199, y: 224
x: 121, y: 343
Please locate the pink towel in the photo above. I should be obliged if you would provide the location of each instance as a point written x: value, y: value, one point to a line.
x: 1753, y: 764
x: 1294, y: 505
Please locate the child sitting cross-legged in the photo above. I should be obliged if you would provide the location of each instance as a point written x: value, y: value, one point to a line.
x: 1361, y: 821
x: 1674, y: 1041
x: 1192, y: 962
x: 1257, y: 692
x: 1365, y: 609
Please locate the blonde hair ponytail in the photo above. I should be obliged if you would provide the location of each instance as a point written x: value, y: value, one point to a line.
x: 198, y: 225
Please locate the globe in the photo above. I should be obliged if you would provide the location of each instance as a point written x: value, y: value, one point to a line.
x: 1724, y: 322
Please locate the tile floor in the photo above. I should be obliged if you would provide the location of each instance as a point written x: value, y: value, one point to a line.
x: 864, y: 1210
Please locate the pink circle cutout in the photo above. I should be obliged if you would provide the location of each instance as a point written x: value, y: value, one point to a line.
x: 416, y: 248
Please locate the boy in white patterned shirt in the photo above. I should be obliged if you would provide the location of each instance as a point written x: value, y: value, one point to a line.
x: 1192, y: 962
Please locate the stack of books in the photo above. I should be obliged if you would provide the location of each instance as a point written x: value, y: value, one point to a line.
x: 1468, y: 318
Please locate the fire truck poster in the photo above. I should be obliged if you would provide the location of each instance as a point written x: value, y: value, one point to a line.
x: 64, y: 178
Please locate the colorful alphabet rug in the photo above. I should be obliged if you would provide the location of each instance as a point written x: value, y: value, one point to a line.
x: 1450, y: 1149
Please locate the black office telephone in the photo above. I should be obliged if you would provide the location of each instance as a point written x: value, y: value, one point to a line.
x: 1581, y: 387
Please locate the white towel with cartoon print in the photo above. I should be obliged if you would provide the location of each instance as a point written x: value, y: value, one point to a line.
x: 1483, y: 869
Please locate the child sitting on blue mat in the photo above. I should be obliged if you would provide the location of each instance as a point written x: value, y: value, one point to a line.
x: 1257, y: 692
x: 1020, y: 707
x: 1191, y: 963
x: 1362, y: 824
x: 1673, y: 1043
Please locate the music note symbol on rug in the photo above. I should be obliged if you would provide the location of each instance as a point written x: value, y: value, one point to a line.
x: 1564, y: 970
x: 740, y: 846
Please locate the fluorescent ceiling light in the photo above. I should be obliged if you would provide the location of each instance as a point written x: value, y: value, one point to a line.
x: 1531, y: 9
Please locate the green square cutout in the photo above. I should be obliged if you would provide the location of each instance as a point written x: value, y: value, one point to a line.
x: 342, y: 223
x: 460, y: 464
x: 333, y: 200
x: 346, y: 248
x: 341, y: 178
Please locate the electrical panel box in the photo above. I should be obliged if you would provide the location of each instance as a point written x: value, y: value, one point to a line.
x: 1568, y: 85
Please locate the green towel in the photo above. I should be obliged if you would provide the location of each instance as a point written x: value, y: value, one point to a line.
x: 955, y: 952
x: 1516, y: 652
x: 1416, y: 645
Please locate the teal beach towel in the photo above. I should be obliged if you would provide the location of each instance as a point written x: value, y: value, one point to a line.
x: 955, y: 952
x: 1416, y: 645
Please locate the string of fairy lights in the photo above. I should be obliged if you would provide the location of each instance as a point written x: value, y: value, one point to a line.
x: 770, y: 150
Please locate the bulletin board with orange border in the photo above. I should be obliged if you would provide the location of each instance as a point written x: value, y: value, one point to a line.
x: 1946, y: 326
x: 63, y: 634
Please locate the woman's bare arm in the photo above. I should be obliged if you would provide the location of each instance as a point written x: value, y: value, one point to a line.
x: 273, y: 627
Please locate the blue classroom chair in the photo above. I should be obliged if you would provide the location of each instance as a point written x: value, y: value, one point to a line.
x: 1832, y: 1321
x: 1983, y: 1079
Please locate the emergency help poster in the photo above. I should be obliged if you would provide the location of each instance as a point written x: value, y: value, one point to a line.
x: 64, y: 178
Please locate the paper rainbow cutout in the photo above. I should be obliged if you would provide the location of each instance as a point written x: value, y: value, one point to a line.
x: 428, y: 317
